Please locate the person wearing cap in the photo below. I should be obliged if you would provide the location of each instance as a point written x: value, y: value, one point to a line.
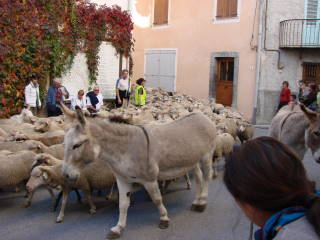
x: 32, y: 96
x: 94, y: 100
x: 140, y: 93
x: 56, y: 94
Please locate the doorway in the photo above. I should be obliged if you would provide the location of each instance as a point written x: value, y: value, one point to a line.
x: 224, y: 81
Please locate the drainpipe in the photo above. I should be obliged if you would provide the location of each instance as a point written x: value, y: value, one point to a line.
x: 265, y: 37
x: 258, y: 63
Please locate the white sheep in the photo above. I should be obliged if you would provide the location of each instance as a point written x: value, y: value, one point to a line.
x: 224, y: 145
x: 15, y: 168
x: 93, y: 177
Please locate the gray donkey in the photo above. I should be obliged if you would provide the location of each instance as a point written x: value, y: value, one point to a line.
x: 143, y: 154
x: 299, y: 128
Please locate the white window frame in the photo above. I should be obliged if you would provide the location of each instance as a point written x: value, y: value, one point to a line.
x: 163, y: 26
x: 176, y: 63
x: 226, y: 20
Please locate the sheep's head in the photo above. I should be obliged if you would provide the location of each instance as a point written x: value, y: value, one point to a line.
x: 42, y: 125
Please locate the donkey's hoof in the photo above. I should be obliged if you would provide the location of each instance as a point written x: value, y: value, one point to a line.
x: 113, y: 235
x: 198, y: 208
x: 164, y: 224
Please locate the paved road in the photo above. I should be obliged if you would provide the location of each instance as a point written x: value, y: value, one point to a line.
x: 222, y: 219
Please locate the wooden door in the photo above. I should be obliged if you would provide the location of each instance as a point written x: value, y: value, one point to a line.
x: 224, y: 83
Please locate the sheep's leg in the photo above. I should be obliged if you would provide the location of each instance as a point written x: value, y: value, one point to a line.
x: 187, y: 178
x: 78, y: 195
x: 53, y: 199
x: 154, y: 192
x: 29, y: 199
x: 206, y: 163
x: 63, y: 206
x: 93, y: 208
x: 57, y: 201
x: 109, y: 196
x: 125, y: 190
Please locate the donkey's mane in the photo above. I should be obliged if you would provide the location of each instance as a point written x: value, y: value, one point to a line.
x: 119, y: 119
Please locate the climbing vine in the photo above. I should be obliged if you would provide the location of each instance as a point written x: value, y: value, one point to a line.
x: 41, y: 37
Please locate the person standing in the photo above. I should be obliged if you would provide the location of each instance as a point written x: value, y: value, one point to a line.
x: 79, y: 101
x: 32, y: 96
x: 94, y: 100
x: 122, y: 89
x: 304, y: 91
x: 284, y: 95
x: 140, y: 93
x: 54, y: 97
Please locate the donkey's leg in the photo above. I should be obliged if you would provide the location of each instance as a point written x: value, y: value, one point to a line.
x: 207, y: 175
x: 199, y: 182
x: 125, y: 189
x: 154, y: 192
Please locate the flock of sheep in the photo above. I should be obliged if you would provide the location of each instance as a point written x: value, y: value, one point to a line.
x: 32, y: 149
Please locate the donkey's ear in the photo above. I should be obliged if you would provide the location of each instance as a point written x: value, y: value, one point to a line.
x: 80, y: 116
x: 311, y: 115
x: 67, y: 111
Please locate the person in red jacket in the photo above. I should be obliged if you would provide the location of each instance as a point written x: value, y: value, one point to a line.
x: 284, y: 95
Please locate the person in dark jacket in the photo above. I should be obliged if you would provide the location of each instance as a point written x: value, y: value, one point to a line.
x: 284, y: 95
x: 56, y: 94
x: 270, y: 185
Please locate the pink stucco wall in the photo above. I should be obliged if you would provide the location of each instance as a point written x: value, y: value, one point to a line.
x: 193, y: 32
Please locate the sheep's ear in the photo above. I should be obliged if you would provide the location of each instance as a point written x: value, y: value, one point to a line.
x: 311, y: 115
x: 45, y: 174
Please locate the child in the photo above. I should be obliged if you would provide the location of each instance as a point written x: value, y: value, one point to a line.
x: 293, y: 99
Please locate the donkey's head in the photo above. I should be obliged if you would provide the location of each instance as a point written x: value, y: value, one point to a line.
x: 313, y: 132
x: 80, y: 148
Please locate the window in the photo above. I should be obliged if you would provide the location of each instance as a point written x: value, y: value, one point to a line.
x: 160, y: 68
x: 227, y: 8
x: 161, y: 9
x: 311, y: 72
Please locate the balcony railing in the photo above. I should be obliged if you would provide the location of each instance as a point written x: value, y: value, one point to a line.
x: 300, y: 33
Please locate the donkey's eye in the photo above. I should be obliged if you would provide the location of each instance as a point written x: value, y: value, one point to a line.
x: 77, y: 145
x: 317, y: 133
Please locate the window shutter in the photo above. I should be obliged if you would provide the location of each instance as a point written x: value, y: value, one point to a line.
x: 161, y: 8
x: 221, y: 8
x: 233, y: 8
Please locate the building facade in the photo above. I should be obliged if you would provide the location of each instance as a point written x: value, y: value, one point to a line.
x: 206, y: 49
x: 289, y: 50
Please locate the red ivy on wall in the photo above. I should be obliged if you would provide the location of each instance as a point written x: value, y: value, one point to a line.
x: 41, y: 37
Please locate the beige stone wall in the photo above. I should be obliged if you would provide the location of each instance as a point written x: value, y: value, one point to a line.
x: 194, y: 33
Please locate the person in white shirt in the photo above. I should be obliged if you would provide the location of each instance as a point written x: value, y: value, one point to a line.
x: 94, y: 100
x: 32, y: 96
x: 122, y: 89
x: 79, y: 100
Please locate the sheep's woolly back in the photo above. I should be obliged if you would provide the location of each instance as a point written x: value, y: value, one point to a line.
x: 15, y: 168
